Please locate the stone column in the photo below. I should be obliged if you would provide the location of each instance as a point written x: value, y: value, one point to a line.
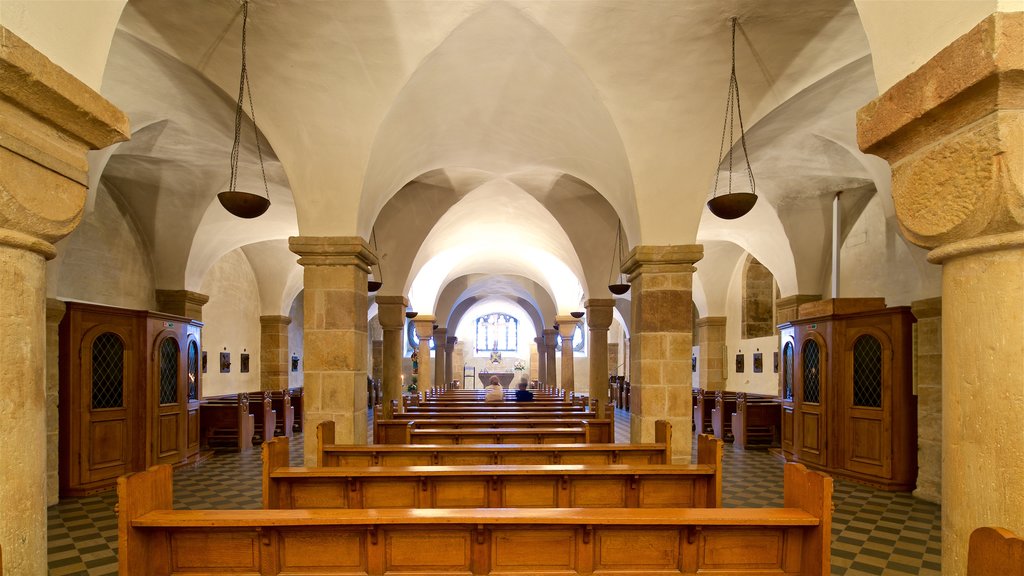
x: 49, y: 120
x: 613, y: 359
x: 661, y: 342
x: 377, y: 360
x: 786, y: 308
x: 54, y: 314
x: 566, y: 328
x: 449, y: 368
x: 440, y: 344
x: 549, y: 350
x: 928, y: 384
x: 542, y: 358
x: 182, y: 303
x: 391, y: 314
x: 711, y: 364
x: 334, y: 335
x: 274, y: 355
x: 599, y: 319
x: 424, y: 324
x: 955, y: 142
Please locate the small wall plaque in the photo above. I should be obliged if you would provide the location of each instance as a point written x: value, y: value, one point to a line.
x: 758, y: 363
x: 244, y: 368
x: 775, y: 362
x: 693, y: 363
x: 739, y: 363
x: 204, y: 361
x: 295, y: 363
x: 225, y: 362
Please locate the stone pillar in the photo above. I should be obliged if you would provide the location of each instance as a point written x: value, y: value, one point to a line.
x: 424, y: 324
x: 440, y: 344
x: 377, y: 360
x: 613, y: 359
x: 391, y: 314
x: 181, y: 303
x: 711, y: 365
x: 928, y: 384
x: 566, y: 328
x: 599, y: 319
x: 54, y: 314
x: 661, y: 342
x: 549, y: 351
x: 49, y: 120
x: 955, y: 142
x: 334, y: 335
x: 542, y: 358
x: 274, y: 355
x: 449, y: 348
x: 786, y: 308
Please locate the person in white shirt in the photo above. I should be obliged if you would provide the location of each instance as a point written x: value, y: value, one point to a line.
x: 495, y: 393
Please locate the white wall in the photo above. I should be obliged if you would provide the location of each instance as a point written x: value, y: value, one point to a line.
x: 766, y: 382
x: 295, y: 331
x: 231, y: 323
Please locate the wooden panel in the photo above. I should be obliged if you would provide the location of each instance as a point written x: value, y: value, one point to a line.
x: 527, y: 458
x: 193, y: 429
x: 197, y: 551
x: 460, y: 493
x: 444, y: 550
x: 729, y: 549
x: 810, y: 436
x: 787, y: 428
x: 597, y: 493
x: 549, y: 550
x: 168, y: 434
x: 473, y: 459
x: 325, y: 551
x: 396, y: 493
x: 646, y: 550
x: 387, y: 459
x: 107, y: 452
x: 666, y: 493
x: 528, y: 492
x: 865, y: 445
x: 320, y: 494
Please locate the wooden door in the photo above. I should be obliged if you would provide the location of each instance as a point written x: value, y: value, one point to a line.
x: 105, y: 441
x: 866, y: 405
x: 192, y: 394
x: 788, y: 378
x: 811, y: 417
x: 169, y: 421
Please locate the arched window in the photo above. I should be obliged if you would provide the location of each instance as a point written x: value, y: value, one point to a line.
x: 787, y: 371
x: 577, y: 339
x: 169, y: 371
x: 497, y: 331
x: 107, y: 371
x: 867, y: 372
x: 193, y: 371
x: 812, y: 372
x: 757, y: 300
x: 414, y: 340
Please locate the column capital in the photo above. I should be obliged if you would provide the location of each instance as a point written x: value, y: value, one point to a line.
x: 708, y: 321
x: 954, y: 141
x: 272, y: 320
x: 928, y: 308
x: 333, y: 251
x: 599, y: 313
x: 566, y: 325
x: 451, y: 341
x: 673, y: 258
x: 391, y: 311
x: 440, y: 338
x: 55, y: 310
x: 182, y: 303
x: 424, y: 324
x: 549, y: 335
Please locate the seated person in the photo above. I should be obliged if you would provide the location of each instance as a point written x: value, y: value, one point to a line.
x: 495, y: 393
x: 523, y: 394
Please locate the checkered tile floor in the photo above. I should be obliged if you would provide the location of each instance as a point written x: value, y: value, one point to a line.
x: 873, y: 532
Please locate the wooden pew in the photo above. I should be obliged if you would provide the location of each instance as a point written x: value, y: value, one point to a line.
x: 261, y: 407
x: 331, y: 454
x: 702, y: 411
x: 297, y: 394
x: 154, y: 539
x: 281, y: 403
x: 225, y: 423
x: 503, y: 486
x: 396, y: 431
x: 448, y: 436
x: 721, y: 415
x: 995, y: 552
x: 757, y: 420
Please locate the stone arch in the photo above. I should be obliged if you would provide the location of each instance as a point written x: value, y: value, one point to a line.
x: 758, y: 290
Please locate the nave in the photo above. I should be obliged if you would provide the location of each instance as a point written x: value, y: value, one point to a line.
x: 873, y: 531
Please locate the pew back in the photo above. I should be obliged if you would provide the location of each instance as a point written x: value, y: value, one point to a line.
x: 995, y: 552
x: 396, y: 431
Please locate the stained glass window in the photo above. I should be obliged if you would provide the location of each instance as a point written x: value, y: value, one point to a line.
x: 497, y: 331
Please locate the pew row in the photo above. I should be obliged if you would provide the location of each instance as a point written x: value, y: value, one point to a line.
x: 154, y: 539
x: 504, y: 486
x: 331, y: 454
x: 261, y: 406
x: 721, y: 415
x: 281, y: 403
x: 225, y: 423
x: 757, y: 421
x: 398, y: 430
x: 564, y: 434
x: 995, y: 552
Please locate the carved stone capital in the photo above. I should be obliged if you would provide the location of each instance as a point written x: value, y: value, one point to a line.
x: 333, y: 251
x: 391, y: 311
x: 662, y: 259
x: 599, y: 313
x: 566, y: 326
x: 424, y: 325
x: 953, y: 133
x: 182, y: 303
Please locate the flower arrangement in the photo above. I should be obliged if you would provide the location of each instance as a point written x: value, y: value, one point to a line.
x: 413, y: 387
x: 519, y: 366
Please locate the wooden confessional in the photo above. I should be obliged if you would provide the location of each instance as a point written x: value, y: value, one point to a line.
x: 848, y: 405
x: 129, y: 393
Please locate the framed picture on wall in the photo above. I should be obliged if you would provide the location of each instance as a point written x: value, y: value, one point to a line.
x: 739, y: 363
x: 295, y: 363
x: 775, y: 362
x: 244, y: 368
x: 204, y: 361
x: 758, y: 363
x: 693, y: 363
x: 225, y: 362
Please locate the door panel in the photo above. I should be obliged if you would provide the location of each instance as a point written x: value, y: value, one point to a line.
x: 105, y: 448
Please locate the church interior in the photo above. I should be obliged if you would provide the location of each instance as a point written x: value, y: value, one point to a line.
x: 515, y: 188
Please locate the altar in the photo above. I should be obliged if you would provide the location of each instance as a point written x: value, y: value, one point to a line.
x: 504, y: 377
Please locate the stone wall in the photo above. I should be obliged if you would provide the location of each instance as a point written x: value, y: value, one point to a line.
x: 231, y: 323
x: 928, y: 384
x: 757, y: 300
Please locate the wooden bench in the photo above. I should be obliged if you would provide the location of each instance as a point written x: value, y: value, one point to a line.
x: 995, y: 552
x: 284, y: 422
x: 262, y: 408
x: 396, y: 431
x: 705, y: 403
x: 757, y: 421
x: 503, y: 486
x: 721, y: 415
x: 225, y: 423
x: 331, y: 454
x: 154, y: 539
x: 443, y: 436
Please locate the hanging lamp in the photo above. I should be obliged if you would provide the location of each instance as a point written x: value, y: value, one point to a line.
x: 237, y: 202
x: 620, y: 287
x: 378, y: 276
x: 732, y: 205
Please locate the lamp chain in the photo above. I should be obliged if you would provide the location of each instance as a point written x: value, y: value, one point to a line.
x: 733, y: 112
x: 243, y: 84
